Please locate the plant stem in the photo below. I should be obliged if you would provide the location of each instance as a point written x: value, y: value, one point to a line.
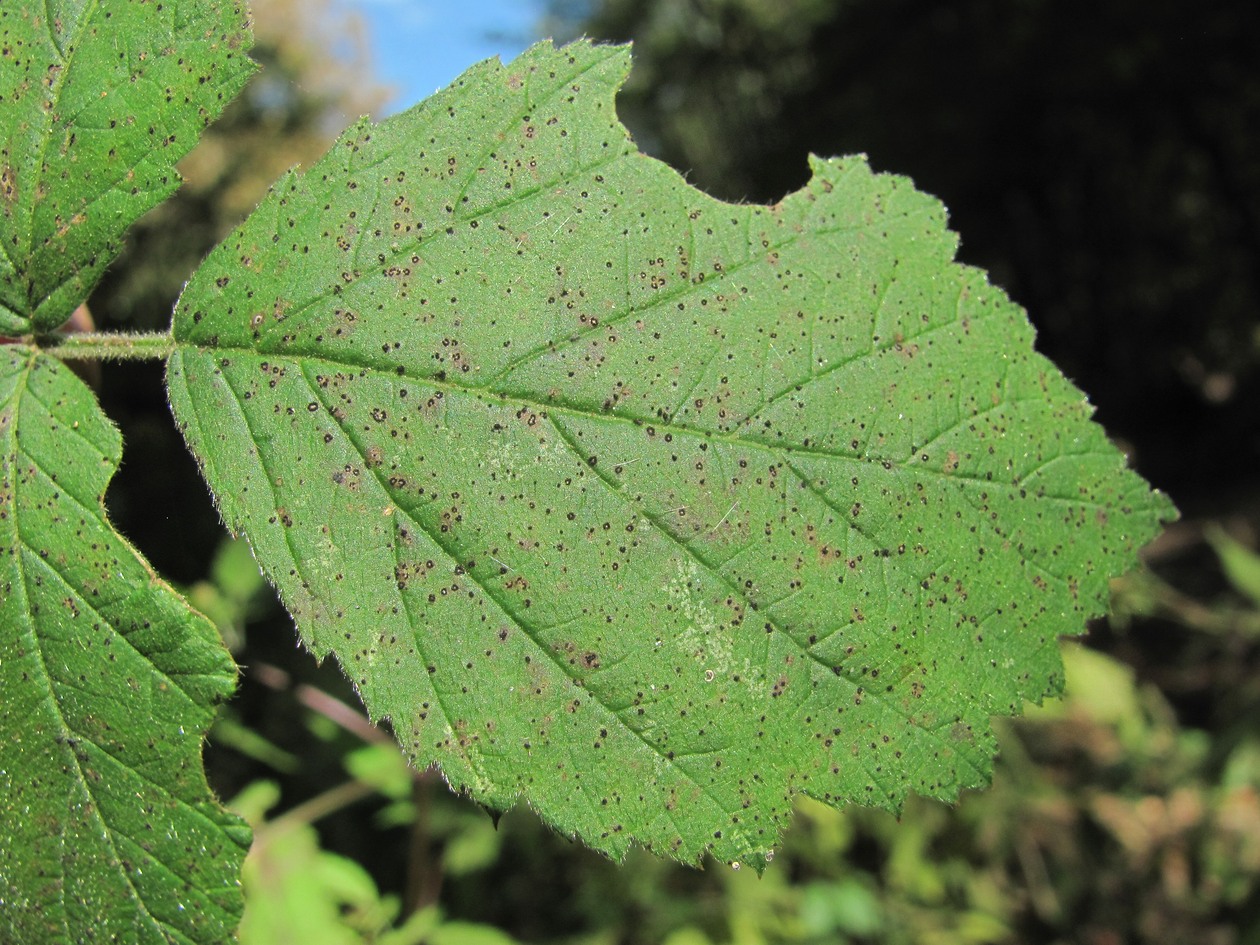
x: 112, y: 346
x: 321, y: 805
x: 354, y: 722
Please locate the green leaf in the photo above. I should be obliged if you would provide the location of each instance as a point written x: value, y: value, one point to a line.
x: 379, y: 766
x: 108, y: 831
x: 99, y: 100
x: 1240, y: 564
x: 298, y: 892
x: 649, y: 509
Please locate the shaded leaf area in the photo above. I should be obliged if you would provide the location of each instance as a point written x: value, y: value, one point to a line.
x: 108, y: 831
x: 651, y: 509
x: 100, y: 101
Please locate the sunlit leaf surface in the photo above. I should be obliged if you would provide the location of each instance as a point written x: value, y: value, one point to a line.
x: 108, y: 832
x: 97, y: 103
x: 649, y: 509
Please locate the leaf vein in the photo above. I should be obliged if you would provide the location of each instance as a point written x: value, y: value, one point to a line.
x: 531, y: 631
x: 81, y: 782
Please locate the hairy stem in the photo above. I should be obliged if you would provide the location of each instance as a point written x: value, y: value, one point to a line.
x: 112, y: 346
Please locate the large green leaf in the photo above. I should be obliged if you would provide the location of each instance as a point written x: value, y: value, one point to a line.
x: 647, y: 508
x: 108, y: 832
x: 97, y: 103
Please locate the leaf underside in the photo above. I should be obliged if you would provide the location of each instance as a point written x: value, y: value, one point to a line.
x: 108, y: 831
x: 97, y: 103
x: 649, y: 509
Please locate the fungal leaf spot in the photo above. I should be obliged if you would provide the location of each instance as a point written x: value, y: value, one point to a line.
x: 768, y: 500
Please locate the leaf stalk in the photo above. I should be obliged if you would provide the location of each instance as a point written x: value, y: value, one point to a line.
x: 111, y: 346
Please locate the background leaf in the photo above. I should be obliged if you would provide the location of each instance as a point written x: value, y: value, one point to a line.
x: 1240, y: 564
x: 108, y: 832
x: 652, y: 509
x: 100, y: 101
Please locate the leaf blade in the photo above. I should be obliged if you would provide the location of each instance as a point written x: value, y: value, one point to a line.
x: 651, y: 509
x: 90, y: 133
x: 107, y: 828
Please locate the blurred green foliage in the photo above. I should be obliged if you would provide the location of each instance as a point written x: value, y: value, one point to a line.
x: 1104, y: 162
x: 299, y: 893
